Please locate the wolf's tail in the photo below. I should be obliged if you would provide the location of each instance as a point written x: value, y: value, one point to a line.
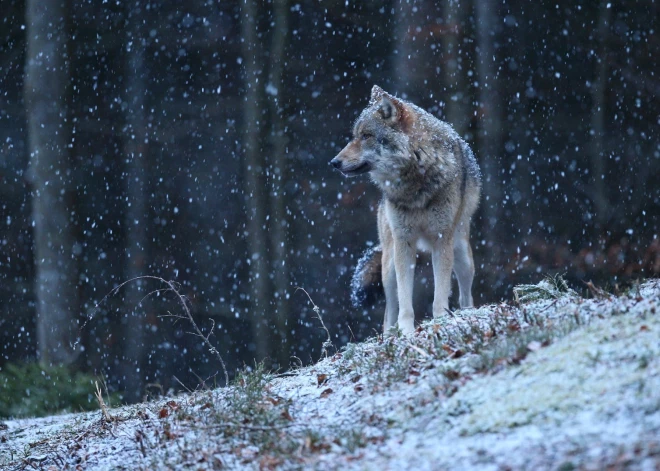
x: 367, y: 285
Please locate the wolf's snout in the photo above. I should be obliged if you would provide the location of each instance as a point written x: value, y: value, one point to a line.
x: 336, y: 163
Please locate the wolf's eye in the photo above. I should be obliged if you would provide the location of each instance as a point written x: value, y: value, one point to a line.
x: 365, y: 136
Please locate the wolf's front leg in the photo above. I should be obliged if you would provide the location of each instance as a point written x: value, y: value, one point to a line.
x: 391, y: 297
x: 404, y: 264
x: 443, y: 260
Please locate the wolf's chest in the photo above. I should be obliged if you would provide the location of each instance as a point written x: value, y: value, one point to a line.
x: 422, y: 227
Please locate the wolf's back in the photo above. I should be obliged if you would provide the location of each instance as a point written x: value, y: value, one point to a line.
x: 367, y: 285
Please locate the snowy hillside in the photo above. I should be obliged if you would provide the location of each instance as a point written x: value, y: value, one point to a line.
x: 550, y: 381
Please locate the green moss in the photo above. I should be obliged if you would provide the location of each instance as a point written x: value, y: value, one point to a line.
x: 29, y: 389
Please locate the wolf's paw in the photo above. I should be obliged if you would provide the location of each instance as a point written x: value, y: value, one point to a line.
x: 440, y: 309
x: 407, y: 325
x: 466, y: 301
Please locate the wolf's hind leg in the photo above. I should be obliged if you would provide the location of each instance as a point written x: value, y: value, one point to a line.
x: 463, y: 264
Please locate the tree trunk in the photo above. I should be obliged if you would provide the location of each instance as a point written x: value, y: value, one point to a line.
x: 256, y: 198
x: 457, y: 106
x: 596, y: 155
x: 279, y: 223
x: 53, y: 212
x: 136, y: 154
x: 490, y: 129
x: 404, y: 53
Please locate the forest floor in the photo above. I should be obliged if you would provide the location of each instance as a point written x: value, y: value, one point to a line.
x: 551, y: 380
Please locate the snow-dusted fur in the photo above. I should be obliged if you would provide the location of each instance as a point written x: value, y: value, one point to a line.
x: 431, y: 186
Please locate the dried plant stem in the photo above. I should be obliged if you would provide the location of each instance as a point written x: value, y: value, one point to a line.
x: 328, y: 342
x: 104, y: 409
x: 173, y: 287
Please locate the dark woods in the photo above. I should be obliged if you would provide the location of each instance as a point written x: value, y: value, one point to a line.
x: 191, y: 143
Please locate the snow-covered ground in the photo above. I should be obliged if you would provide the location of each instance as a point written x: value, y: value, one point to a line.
x: 553, y: 382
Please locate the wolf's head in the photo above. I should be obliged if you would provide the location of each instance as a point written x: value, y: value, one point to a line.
x: 380, y: 137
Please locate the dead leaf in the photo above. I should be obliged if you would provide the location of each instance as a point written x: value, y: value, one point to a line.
x: 326, y: 393
x: 451, y: 374
x: 269, y: 462
x: 458, y: 353
x: 164, y: 412
x: 273, y: 400
x: 452, y: 353
x: 356, y: 457
x: 321, y: 379
x: 644, y: 328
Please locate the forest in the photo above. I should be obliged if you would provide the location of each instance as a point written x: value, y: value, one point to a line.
x: 151, y: 142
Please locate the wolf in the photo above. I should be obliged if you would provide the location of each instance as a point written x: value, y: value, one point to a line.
x: 431, y: 184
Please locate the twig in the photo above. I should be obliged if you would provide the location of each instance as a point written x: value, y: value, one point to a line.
x: 182, y: 385
x: 597, y: 292
x: 205, y: 338
x: 171, y: 286
x: 549, y: 305
x: 286, y: 374
x: 299, y: 363
x: 351, y: 331
x: 420, y: 351
x: 328, y: 342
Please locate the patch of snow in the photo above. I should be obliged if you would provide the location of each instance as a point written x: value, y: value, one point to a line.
x: 587, y: 396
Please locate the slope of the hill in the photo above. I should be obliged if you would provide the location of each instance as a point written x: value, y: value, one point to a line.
x: 552, y: 381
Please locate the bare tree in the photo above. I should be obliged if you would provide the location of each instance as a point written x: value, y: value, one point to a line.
x: 404, y: 52
x: 135, y: 174
x: 456, y: 97
x: 53, y: 206
x: 279, y: 224
x: 596, y: 154
x: 490, y: 126
x: 256, y: 198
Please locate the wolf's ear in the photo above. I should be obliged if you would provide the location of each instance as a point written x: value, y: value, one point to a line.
x: 388, y: 110
x: 376, y: 93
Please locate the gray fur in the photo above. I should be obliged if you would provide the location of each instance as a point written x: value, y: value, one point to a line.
x: 431, y: 186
